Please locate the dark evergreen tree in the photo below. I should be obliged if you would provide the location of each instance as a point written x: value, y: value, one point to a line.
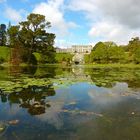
x: 2, y: 34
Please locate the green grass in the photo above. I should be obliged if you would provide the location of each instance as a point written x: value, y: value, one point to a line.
x: 115, y: 65
x: 37, y: 56
x: 5, y: 53
x: 60, y: 57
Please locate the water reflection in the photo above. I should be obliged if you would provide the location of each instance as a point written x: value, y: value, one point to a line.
x: 107, y: 96
x: 107, y: 77
x: 102, y: 77
x: 62, y: 103
x: 17, y: 71
x: 32, y: 98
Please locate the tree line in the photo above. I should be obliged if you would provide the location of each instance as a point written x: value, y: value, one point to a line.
x: 29, y: 37
x: 109, y: 52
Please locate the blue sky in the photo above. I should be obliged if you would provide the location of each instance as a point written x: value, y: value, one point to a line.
x: 80, y: 21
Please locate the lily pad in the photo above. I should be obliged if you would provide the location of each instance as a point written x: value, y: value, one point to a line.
x: 3, y: 127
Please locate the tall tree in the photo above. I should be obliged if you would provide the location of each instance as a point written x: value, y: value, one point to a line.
x: 137, y: 56
x: 107, y: 52
x: 134, y: 43
x: 2, y: 34
x: 116, y: 54
x: 13, y: 33
x: 32, y: 32
x: 32, y: 35
x: 99, y: 53
x: 134, y: 49
x: 47, y: 50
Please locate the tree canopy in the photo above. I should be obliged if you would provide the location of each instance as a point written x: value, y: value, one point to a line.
x: 33, y: 36
x: 134, y: 49
x: 2, y: 34
x: 107, y: 52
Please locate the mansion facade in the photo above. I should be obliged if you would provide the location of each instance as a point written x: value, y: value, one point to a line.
x: 76, y: 49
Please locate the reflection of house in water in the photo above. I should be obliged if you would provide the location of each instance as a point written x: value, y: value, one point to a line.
x: 79, y: 74
x: 76, y: 49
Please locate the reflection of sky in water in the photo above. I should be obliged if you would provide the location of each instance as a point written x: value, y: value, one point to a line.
x: 64, y: 97
x: 87, y: 97
x: 82, y: 94
x: 52, y: 115
x: 105, y: 96
x: 119, y: 106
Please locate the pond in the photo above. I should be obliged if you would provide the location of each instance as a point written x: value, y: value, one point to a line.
x: 69, y: 103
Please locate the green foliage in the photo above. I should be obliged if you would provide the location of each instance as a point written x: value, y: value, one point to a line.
x: 48, y: 54
x: 99, y: 54
x: 97, y: 45
x: 137, y: 56
x: 2, y: 34
x: 31, y: 34
x: 87, y: 58
x: 107, y: 52
x: 13, y: 36
x: 1, y: 60
x: 134, y: 50
x: 4, y: 54
x: 38, y: 57
x: 103, y: 75
x: 61, y: 57
x: 134, y: 43
x: 116, y: 54
x: 32, y: 61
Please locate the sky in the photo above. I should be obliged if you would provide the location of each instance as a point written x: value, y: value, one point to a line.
x: 79, y: 22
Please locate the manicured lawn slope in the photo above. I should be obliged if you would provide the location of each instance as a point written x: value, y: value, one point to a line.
x: 4, y: 53
x: 60, y: 57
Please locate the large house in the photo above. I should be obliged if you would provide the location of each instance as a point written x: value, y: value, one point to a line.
x: 76, y: 49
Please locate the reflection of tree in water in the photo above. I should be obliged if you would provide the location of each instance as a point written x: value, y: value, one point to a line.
x: 101, y: 77
x: 51, y: 72
x: 47, y: 72
x: 17, y: 70
x: 107, y: 77
x: 40, y: 72
x: 33, y: 98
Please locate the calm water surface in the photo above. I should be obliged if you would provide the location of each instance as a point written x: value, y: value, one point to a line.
x: 75, y: 103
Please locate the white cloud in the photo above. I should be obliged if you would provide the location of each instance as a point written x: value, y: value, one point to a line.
x: 89, y: 7
x: 115, y: 20
x: 53, y: 10
x: 52, y: 115
x: 13, y: 14
x: 126, y: 12
x: 109, y: 31
x: 62, y: 43
x: 106, y: 96
x: 83, y: 5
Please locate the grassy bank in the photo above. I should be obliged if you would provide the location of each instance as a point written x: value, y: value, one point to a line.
x: 60, y: 57
x: 4, y: 54
x: 131, y: 65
